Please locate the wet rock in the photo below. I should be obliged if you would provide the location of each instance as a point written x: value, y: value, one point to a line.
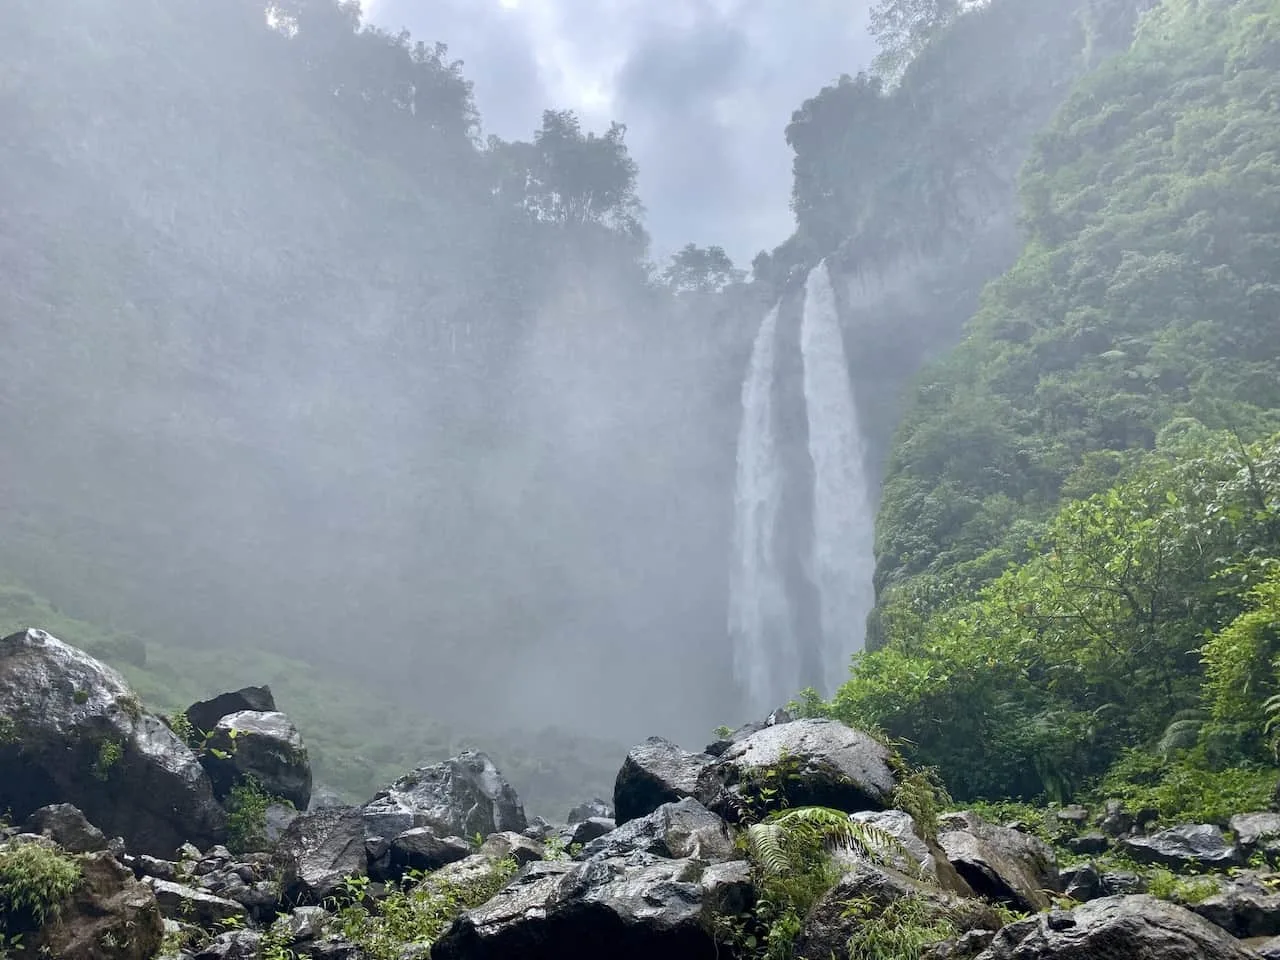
x: 110, y: 916
x: 264, y: 746
x: 540, y: 829
x: 1073, y: 815
x: 1082, y: 882
x: 1003, y: 864
x: 964, y: 947
x: 655, y: 772
x: 911, y: 853
x: 66, y: 826
x: 592, y: 808
x: 1268, y: 949
x: 1089, y: 843
x: 1184, y: 846
x: 463, y: 796
x: 572, y: 911
x: 318, y: 851
x: 1244, y: 909
x: 1115, y: 820
x: 1132, y: 928
x: 514, y: 845
x: 191, y: 905
x: 674, y: 830
x: 1122, y: 882
x: 585, y: 831
x: 421, y: 849
x: 831, y: 923
x: 204, y: 716
x: 1257, y: 831
x: 79, y: 735
x: 829, y: 765
x: 233, y: 945
x: 155, y: 867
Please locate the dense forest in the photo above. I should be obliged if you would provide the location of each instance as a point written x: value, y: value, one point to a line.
x: 1079, y: 539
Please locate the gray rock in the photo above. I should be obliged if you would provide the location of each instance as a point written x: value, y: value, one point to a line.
x: 1184, y: 846
x: 1126, y: 928
x: 1082, y: 882
x: 318, y: 851
x: 1115, y: 820
x: 108, y: 905
x: 463, y: 796
x: 517, y: 846
x: 1120, y: 883
x: 913, y: 854
x: 832, y: 765
x: 204, y: 715
x: 1074, y: 814
x: 1244, y: 909
x: 80, y: 736
x: 1089, y: 843
x: 191, y: 905
x: 155, y: 867
x: 592, y: 808
x: 67, y: 827
x: 1268, y: 949
x: 264, y: 746
x: 680, y: 830
x: 584, y: 831
x: 655, y: 772
x: 233, y: 945
x: 635, y: 910
x: 830, y: 923
x: 1256, y: 831
x: 1003, y: 864
x: 278, y: 819
x: 422, y: 849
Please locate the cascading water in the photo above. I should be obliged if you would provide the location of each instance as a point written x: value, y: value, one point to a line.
x: 759, y: 618
x: 843, y: 520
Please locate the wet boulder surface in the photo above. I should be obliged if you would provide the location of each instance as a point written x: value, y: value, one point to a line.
x: 811, y: 762
x: 72, y: 731
x: 463, y: 796
x: 263, y: 745
x: 1116, y: 928
x: 655, y: 772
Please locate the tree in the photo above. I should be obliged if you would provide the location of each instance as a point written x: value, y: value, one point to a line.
x: 701, y: 270
x: 570, y: 178
x: 904, y: 27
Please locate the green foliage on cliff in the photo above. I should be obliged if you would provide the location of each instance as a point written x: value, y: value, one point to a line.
x: 1080, y: 530
x: 1147, y: 290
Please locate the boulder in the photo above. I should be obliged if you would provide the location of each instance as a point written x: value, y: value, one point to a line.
x: 463, y: 796
x: 1268, y: 949
x: 1115, y: 820
x: 584, y: 831
x: 189, y: 905
x: 232, y: 945
x: 515, y: 845
x: 1089, y: 843
x: 1185, y: 846
x: 422, y: 849
x: 655, y: 772
x: 911, y: 853
x: 204, y: 716
x: 264, y: 746
x: 811, y: 762
x: 66, y: 826
x: 680, y: 830
x: 831, y: 922
x: 110, y: 916
x: 1082, y: 882
x: 1132, y: 928
x: 635, y: 910
x: 717, y: 747
x: 592, y: 808
x: 1244, y: 907
x: 999, y: 863
x: 319, y: 850
x: 1257, y: 831
x: 76, y: 733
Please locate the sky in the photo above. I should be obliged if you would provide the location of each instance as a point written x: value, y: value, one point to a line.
x: 705, y: 87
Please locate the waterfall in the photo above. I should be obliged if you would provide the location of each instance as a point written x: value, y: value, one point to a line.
x: 843, y: 520
x: 759, y: 620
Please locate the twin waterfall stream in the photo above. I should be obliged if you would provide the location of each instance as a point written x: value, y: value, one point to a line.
x: 773, y: 657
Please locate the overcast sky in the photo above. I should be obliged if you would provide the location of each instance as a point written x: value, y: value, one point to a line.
x: 706, y: 88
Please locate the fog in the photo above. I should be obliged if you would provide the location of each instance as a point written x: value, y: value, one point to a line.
x: 268, y: 384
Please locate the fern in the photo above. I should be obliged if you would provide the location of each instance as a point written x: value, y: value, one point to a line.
x: 773, y: 843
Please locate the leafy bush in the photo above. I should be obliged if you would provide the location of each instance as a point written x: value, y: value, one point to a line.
x: 35, y: 880
x: 246, y: 807
x: 899, y: 931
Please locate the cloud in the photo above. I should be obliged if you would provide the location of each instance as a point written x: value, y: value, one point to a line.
x: 706, y: 88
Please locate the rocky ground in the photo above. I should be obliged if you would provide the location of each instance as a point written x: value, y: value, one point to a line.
x: 130, y: 837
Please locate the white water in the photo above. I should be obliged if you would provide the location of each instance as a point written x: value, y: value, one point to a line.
x: 843, y: 521
x: 764, y: 659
